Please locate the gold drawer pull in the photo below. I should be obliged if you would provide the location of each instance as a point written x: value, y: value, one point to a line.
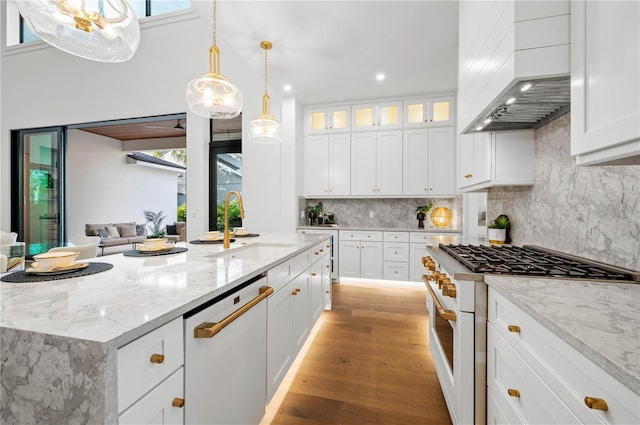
x: 317, y: 253
x: 178, y: 402
x: 295, y: 291
x: 321, y: 250
x: 596, y: 403
x: 514, y: 328
x: 328, y: 292
x: 327, y: 266
x: 313, y: 274
x: 157, y: 358
x: 513, y: 393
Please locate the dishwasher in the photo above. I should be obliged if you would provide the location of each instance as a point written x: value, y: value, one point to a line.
x: 225, y: 357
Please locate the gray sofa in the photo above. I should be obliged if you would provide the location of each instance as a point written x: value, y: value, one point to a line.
x: 124, y: 233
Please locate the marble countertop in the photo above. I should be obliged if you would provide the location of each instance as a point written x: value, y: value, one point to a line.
x: 139, y: 293
x: 599, y: 319
x: 383, y: 229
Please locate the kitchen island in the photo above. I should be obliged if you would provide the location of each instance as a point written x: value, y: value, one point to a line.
x: 59, y: 339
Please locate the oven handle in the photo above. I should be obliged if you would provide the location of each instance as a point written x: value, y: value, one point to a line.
x: 208, y: 329
x: 446, y: 314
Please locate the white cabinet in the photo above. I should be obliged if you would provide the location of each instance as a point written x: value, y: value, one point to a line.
x: 327, y: 287
x: 361, y: 254
x: 396, y: 255
x: 316, y: 291
x: 330, y: 119
x: 299, y: 312
x: 279, y: 355
x: 376, y: 116
x: 376, y: 163
x: 429, y: 162
x: 429, y: 112
x: 605, y: 82
x: 327, y: 160
x: 163, y: 405
x: 495, y: 159
x: 533, y: 376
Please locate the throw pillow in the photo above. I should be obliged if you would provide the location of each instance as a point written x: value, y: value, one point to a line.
x: 171, y: 230
x: 127, y: 231
x: 113, y: 231
x: 102, y: 232
x: 141, y: 230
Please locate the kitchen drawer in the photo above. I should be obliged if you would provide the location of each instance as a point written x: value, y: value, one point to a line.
x: 395, y: 271
x: 280, y: 275
x: 570, y: 374
x: 500, y: 413
x: 396, y: 236
x: 158, y: 407
x: 301, y: 262
x: 393, y: 251
x: 138, y: 372
x: 423, y: 237
x: 319, y: 250
x: 508, y: 373
x: 346, y: 235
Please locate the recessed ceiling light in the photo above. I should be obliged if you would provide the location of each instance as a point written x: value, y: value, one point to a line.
x: 487, y: 121
x: 287, y: 87
x: 380, y: 76
x: 478, y: 128
x: 510, y: 101
x: 526, y: 87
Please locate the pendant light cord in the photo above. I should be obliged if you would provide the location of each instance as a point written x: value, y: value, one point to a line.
x: 214, y: 22
x: 265, y: 71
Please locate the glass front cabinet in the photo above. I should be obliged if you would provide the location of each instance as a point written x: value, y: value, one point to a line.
x: 429, y: 112
x: 326, y: 120
x: 376, y: 116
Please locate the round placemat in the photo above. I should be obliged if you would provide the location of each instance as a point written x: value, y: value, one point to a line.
x: 199, y: 242
x: 248, y: 235
x: 24, y: 277
x: 136, y: 253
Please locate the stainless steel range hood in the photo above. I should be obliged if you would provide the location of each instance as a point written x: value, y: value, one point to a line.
x: 526, y: 105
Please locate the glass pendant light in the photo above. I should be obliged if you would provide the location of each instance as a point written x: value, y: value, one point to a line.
x: 265, y: 128
x: 101, y: 30
x: 212, y: 95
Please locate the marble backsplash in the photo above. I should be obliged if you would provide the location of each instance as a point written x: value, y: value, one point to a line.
x: 387, y: 212
x: 593, y: 212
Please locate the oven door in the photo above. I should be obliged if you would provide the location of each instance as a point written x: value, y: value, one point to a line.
x: 451, y: 342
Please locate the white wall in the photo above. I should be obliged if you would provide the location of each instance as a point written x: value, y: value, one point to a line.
x: 104, y: 188
x: 47, y: 86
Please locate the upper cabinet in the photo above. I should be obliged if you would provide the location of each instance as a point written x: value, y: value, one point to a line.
x: 376, y: 116
x: 429, y: 112
x: 605, y: 82
x: 502, y: 158
x: 332, y: 119
x: 429, y: 158
x: 327, y: 164
x: 376, y: 163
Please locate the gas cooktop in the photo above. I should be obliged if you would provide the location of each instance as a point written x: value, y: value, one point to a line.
x: 531, y: 260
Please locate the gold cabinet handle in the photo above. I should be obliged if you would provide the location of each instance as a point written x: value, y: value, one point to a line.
x: 208, y: 329
x: 446, y: 314
x: 596, y: 403
x: 313, y: 274
x: 177, y: 402
x: 328, y: 246
x: 514, y: 328
x: 327, y: 266
x: 321, y: 250
x: 317, y: 253
x: 157, y: 358
x: 328, y: 292
x: 513, y: 393
x: 295, y: 291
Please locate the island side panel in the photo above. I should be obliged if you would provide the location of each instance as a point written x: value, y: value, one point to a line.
x: 51, y: 379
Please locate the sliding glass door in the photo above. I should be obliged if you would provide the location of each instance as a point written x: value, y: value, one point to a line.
x: 225, y: 172
x: 38, y: 182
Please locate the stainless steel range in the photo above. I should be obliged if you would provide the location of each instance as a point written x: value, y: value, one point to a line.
x: 457, y: 304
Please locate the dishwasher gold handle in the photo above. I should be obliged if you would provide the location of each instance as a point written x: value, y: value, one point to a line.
x: 596, y: 403
x: 208, y: 329
x: 446, y: 314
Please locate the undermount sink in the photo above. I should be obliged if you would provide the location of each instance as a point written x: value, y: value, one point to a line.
x: 256, y: 251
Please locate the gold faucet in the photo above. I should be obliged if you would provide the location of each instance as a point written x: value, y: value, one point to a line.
x: 227, y: 234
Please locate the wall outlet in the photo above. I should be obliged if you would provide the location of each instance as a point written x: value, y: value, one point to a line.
x: 371, y: 214
x: 301, y: 213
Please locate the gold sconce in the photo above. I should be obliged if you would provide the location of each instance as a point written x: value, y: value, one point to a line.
x: 441, y: 217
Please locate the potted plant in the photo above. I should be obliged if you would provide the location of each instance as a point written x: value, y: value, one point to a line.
x: 313, y: 211
x: 497, y: 230
x: 154, y: 222
x: 235, y: 219
x: 421, y: 215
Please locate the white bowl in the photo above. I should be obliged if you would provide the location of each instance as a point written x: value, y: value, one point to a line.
x: 240, y: 231
x: 155, y: 243
x: 212, y: 236
x: 49, y: 260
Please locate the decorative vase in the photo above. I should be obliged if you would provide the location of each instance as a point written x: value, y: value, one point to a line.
x: 497, y: 236
x: 421, y: 217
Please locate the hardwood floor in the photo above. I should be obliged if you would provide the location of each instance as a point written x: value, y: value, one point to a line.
x: 368, y: 364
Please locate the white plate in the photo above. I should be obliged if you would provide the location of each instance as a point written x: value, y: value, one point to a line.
x: 202, y: 238
x: 57, y: 270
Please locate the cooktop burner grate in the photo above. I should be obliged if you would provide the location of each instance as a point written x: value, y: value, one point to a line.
x: 534, y: 261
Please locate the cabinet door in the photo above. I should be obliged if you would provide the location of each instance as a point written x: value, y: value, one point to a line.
x: 363, y: 117
x: 416, y: 268
x: 441, y: 111
x: 389, y: 115
x: 371, y: 260
x: 156, y: 407
x: 316, y: 156
x: 416, y: 113
x: 340, y: 164
x: 389, y: 163
x: 465, y: 160
x: 415, y: 169
x: 605, y: 82
x: 481, y: 158
x: 299, y: 312
x: 316, y: 121
x: 349, y: 258
x: 278, y: 338
x: 316, y: 292
x: 441, y: 164
x: 339, y: 118
x: 326, y: 281
x: 363, y: 164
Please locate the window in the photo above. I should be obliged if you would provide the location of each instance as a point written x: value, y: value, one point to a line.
x: 142, y: 8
